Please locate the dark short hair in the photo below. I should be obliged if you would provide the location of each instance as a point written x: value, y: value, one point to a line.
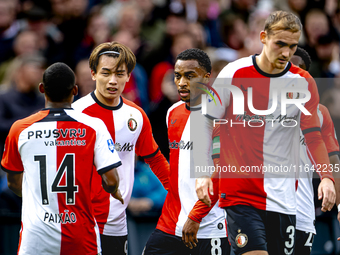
x: 305, y: 57
x: 58, y: 81
x: 125, y: 55
x: 196, y: 54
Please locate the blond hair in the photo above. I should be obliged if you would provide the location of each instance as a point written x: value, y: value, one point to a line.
x: 282, y: 20
x: 125, y: 55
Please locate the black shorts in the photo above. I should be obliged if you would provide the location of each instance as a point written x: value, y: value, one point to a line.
x: 114, y: 245
x: 161, y: 243
x: 251, y: 229
x: 303, y: 242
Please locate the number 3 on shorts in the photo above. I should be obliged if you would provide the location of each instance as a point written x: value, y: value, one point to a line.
x: 290, y: 244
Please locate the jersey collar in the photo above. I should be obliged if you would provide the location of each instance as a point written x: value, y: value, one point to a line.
x: 56, y: 110
x: 195, y: 108
x: 268, y: 74
x: 105, y: 106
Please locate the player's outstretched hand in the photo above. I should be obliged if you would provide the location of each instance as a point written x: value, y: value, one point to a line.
x: 326, y: 192
x: 118, y: 196
x: 189, y: 233
x: 204, y: 186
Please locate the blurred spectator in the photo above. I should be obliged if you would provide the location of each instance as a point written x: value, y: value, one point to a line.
x: 175, y: 24
x: 49, y: 37
x: 336, y: 19
x: 97, y: 32
x: 241, y: 8
x: 59, y: 11
x: 298, y: 7
x: 180, y: 43
x: 316, y: 24
x: 148, y: 194
x: 130, y: 21
x: 112, y: 11
x: 327, y: 52
x: 84, y: 79
x: 198, y: 32
x: 9, y: 27
x: 26, y: 42
x: 73, y: 25
x: 207, y: 13
x: 234, y: 32
x: 153, y: 24
x: 184, y: 6
x: 22, y: 97
x: 256, y: 22
x: 330, y: 99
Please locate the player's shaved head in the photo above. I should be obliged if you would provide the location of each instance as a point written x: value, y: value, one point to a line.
x: 58, y: 82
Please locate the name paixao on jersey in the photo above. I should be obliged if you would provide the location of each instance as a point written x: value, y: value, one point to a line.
x: 71, y: 133
x: 63, y: 218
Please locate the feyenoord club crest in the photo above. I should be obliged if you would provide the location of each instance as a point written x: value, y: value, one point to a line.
x: 293, y: 95
x: 241, y: 240
x: 132, y: 124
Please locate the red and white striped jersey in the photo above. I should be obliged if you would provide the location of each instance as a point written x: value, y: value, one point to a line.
x: 56, y: 149
x: 265, y: 157
x: 305, y: 214
x: 182, y: 196
x: 131, y: 131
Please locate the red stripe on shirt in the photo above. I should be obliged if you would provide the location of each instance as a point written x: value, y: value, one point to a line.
x: 243, y: 146
x: 177, y: 120
x: 100, y: 198
x: 82, y: 230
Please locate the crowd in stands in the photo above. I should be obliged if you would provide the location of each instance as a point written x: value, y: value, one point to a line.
x: 37, y: 33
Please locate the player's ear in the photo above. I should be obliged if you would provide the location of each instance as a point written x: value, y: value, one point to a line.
x: 128, y: 77
x: 206, y: 77
x: 41, y: 88
x: 263, y: 36
x: 93, y: 75
x: 75, y: 90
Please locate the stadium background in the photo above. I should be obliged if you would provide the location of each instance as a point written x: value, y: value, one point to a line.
x: 37, y: 33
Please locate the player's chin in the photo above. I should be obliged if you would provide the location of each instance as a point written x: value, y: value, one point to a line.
x: 109, y: 95
x: 281, y: 65
x: 185, y: 99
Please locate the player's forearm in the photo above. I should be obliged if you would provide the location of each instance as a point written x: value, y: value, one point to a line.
x: 110, y: 181
x: 160, y: 167
x: 200, y: 209
x: 319, y: 155
x: 14, y: 182
x: 334, y: 160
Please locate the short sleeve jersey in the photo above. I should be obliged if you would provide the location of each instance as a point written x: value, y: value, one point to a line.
x: 182, y: 196
x: 56, y: 150
x: 258, y: 154
x: 305, y: 215
x: 131, y: 131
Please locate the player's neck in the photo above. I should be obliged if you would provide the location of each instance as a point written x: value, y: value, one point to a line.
x: 264, y: 64
x: 49, y: 104
x: 194, y: 102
